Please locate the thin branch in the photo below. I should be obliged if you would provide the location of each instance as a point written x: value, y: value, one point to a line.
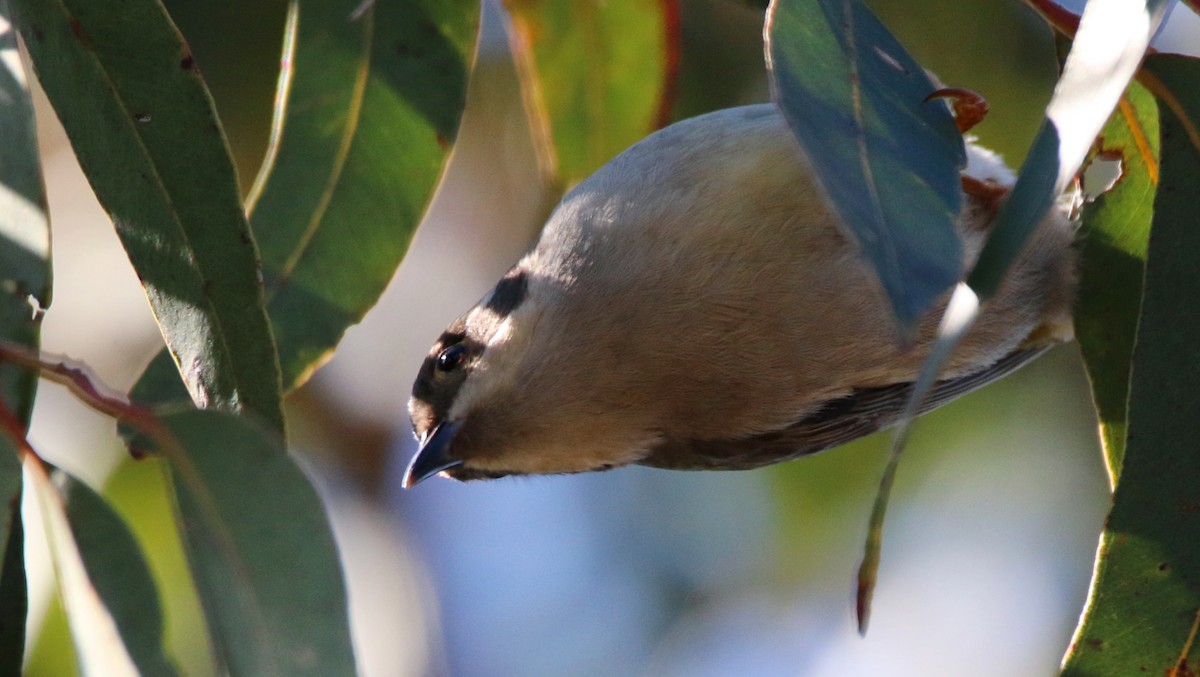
x: 1061, y: 19
x: 1180, y: 669
x: 79, y: 380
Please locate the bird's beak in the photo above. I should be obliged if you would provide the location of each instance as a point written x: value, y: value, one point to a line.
x: 431, y: 457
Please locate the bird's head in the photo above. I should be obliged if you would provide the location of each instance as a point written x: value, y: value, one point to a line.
x: 504, y: 391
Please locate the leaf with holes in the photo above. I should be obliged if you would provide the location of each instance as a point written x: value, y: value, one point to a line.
x: 1144, y: 609
x: 1115, y: 230
x: 1105, y: 53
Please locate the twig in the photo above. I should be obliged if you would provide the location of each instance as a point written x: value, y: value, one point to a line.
x: 1060, y: 18
x: 78, y: 379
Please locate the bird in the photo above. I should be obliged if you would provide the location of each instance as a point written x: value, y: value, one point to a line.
x: 695, y: 304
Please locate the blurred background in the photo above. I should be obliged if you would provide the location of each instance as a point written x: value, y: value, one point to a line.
x: 992, y: 526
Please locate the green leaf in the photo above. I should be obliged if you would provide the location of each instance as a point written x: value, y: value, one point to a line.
x: 118, y: 571
x: 367, y: 110
x: 1115, y: 230
x: 14, y: 600
x: 142, y: 494
x: 888, y: 162
x: 98, y: 644
x: 261, y: 548
x: 142, y: 124
x: 24, y: 223
x: 596, y: 77
x: 24, y: 294
x: 1144, y: 610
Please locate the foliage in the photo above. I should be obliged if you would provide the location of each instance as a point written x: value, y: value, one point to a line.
x: 253, y: 293
x: 1143, y: 614
x: 856, y: 101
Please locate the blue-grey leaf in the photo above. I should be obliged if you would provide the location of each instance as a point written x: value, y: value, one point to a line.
x: 889, y: 162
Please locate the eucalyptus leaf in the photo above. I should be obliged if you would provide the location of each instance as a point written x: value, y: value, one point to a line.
x: 118, y: 571
x: 367, y: 110
x: 14, y: 600
x: 1107, y: 49
x: 596, y: 77
x: 1144, y: 609
x: 142, y: 124
x: 98, y: 643
x: 888, y: 160
x: 1114, y: 232
x: 24, y: 294
x: 260, y: 545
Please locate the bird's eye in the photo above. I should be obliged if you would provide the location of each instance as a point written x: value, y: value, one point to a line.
x: 452, y: 357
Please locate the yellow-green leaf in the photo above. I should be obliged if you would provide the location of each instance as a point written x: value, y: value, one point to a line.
x: 1114, y: 232
x: 596, y: 76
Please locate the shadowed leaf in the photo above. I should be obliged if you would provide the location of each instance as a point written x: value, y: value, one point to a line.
x: 888, y: 162
x: 142, y: 124
x: 98, y: 644
x: 260, y: 545
x: 118, y: 571
x: 367, y: 110
x: 14, y: 600
x: 1144, y: 609
x: 24, y: 294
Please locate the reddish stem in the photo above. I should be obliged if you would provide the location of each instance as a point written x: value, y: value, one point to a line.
x: 1067, y: 22
x: 79, y: 380
x: 671, y: 55
x: 1062, y: 20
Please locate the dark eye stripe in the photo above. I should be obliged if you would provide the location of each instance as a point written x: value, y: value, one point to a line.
x: 455, y: 334
x: 438, y: 399
x: 508, y: 293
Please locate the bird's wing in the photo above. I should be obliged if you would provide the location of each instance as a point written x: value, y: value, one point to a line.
x: 837, y: 421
